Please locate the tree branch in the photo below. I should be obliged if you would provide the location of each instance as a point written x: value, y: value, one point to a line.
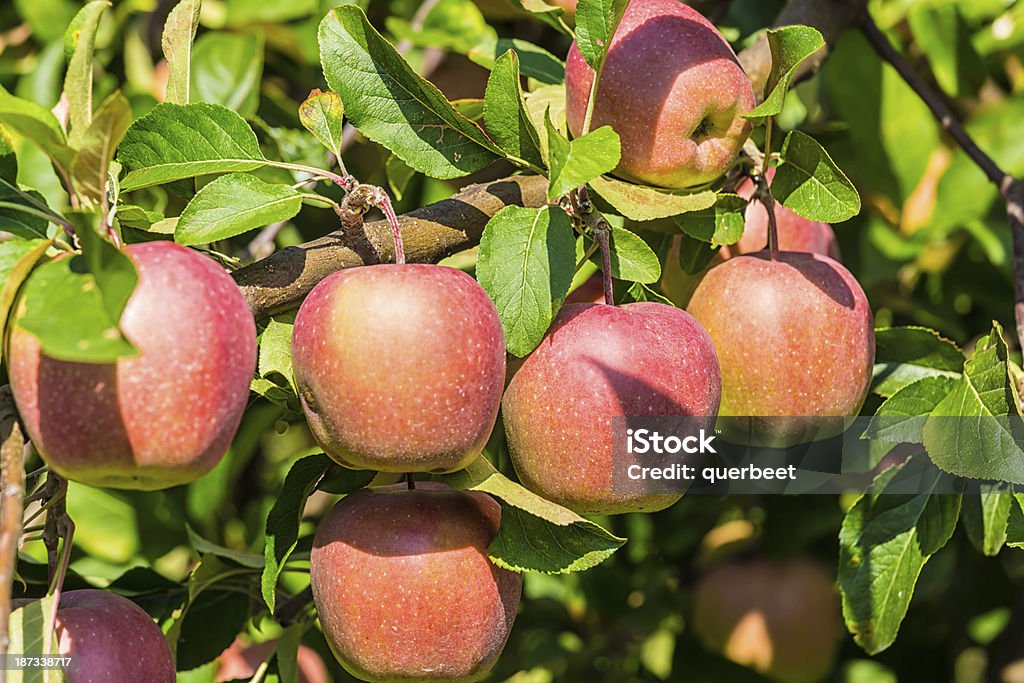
x: 429, y: 234
x: 1012, y: 189
x: 280, y: 281
x: 12, y: 492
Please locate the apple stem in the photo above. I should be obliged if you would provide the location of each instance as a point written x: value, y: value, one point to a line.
x: 359, y: 198
x: 383, y: 202
x: 763, y: 194
x: 599, y: 227
x: 773, y: 230
x: 410, y: 479
x: 601, y: 237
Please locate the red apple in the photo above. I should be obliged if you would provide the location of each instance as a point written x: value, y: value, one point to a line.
x: 795, y: 339
x: 673, y: 90
x: 404, y: 587
x: 111, y: 638
x: 159, y: 419
x: 400, y: 367
x: 780, y: 619
x: 596, y: 363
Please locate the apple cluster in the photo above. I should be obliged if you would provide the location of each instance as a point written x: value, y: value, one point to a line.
x: 402, y: 368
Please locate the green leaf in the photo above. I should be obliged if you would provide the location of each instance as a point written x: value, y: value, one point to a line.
x: 285, y: 517
x: 470, y: 107
x: 526, y: 263
x: 901, y: 418
x: 91, y: 165
x: 176, y: 141
x: 904, y: 355
x: 206, y: 547
x: 635, y: 292
x: 322, y: 114
x: 885, y: 541
x: 549, y: 14
x: 547, y: 100
x: 719, y: 224
x: 213, y: 613
x: 8, y: 159
x: 642, y: 203
x: 79, y: 44
x: 392, y: 105
x: 577, y: 162
x: 535, y: 62
x: 17, y: 258
x: 399, y: 174
x: 47, y: 18
x: 536, y: 534
x: 37, y: 124
x: 132, y: 216
x: 632, y: 259
x: 695, y: 254
x: 24, y: 213
x: 32, y: 632
x: 248, y: 13
x: 176, y: 42
x: 809, y: 182
x: 452, y: 25
x: 790, y: 46
x: 506, y: 117
x: 233, y: 204
x: 946, y: 40
x: 108, y: 524
x: 275, y: 353
x: 226, y: 70
x: 286, y: 654
x: 112, y: 269
x: 596, y: 22
x: 986, y: 517
x: 63, y: 308
x: 976, y: 430
x: 1015, y: 524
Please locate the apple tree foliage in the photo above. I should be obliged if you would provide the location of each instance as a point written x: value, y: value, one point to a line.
x: 453, y: 91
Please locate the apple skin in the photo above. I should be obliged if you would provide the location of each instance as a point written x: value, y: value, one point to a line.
x: 112, y: 639
x: 780, y: 619
x: 241, y: 661
x: 673, y: 90
x: 159, y: 419
x: 404, y: 587
x: 795, y: 339
x: 400, y: 367
x: 596, y: 363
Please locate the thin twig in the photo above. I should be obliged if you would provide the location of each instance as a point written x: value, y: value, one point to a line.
x: 56, y: 490
x: 289, y: 610
x: 1012, y: 189
x: 12, y: 492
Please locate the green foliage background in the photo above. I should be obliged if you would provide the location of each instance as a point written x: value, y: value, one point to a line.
x: 930, y: 248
